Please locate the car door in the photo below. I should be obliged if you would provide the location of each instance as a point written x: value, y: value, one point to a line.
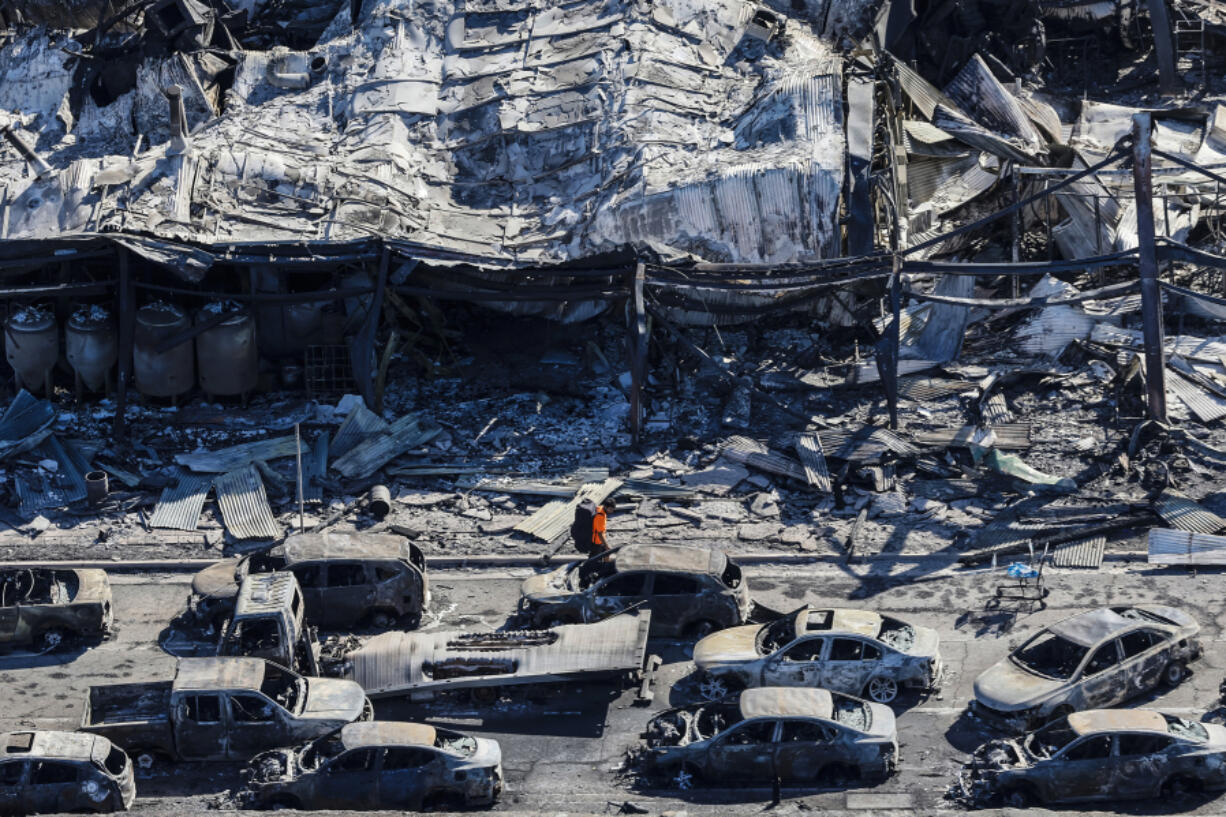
x: 1078, y: 772
x: 676, y: 603
x: 618, y: 592
x: 849, y: 664
x: 408, y: 776
x: 13, y: 787
x: 347, y: 592
x: 311, y: 577
x: 1103, y: 682
x: 744, y: 753
x: 52, y: 786
x: 1142, y: 762
x: 796, y: 665
x: 805, y: 748
x: 256, y: 724
x: 200, y: 727
x: 349, y: 781
x: 1144, y: 659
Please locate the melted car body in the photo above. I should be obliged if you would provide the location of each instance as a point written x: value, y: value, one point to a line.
x: 269, y: 622
x: 381, y: 765
x: 1100, y: 754
x: 690, y: 590
x: 42, y: 607
x: 851, y: 651
x: 800, y: 736
x: 48, y: 772
x: 346, y: 578
x: 1096, y: 659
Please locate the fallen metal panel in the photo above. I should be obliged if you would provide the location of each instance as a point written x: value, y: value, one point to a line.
x: 996, y: 411
x: 864, y: 444
x: 244, y: 505
x: 922, y: 389
x: 1009, y: 436
x: 1180, y: 512
x: 238, y: 456
x: 756, y: 455
x: 860, y: 97
x: 1086, y: 553
x: 180, y: 504
x: 373, y: 453
x: 809, y: 447
x: 1205, y: 405
x: 397, y: 663
x: 26, y: 423
x: 1177, y: 547
x: 555, y: 519
x: 360, y: 425
x: 69, y: 477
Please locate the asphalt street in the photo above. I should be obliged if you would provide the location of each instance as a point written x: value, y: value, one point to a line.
x: 567, y: 752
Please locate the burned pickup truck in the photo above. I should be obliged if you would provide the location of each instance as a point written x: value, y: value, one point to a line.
x: 424, y: 665
x: 221, y: 709
x: 269, y: 622
x: 1094, y: 659
x: 45, y: 607
x: 1101, y: 754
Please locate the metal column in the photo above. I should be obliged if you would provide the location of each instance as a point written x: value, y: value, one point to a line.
x: 1147, y: 264
x: 638, y: 351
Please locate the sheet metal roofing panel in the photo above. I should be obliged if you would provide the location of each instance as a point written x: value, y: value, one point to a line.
x: 1085, y: 553
x: 555, y: 518
x: 26, y: 422
x: 244, y: 505
x: 996, y: 411
x: 397, y: 663
x: 180, y: 504
x: 360, y: 424
x: 923, y: 389
x: 1008, y: 436
x: 1206, y: 405
x: 373, y: 453
x: 813, y: 460
x: 756, y: 455
x: 1177, y: 547
x: 980, y: 95
x: 237, y: 456
x: 1183, y: 513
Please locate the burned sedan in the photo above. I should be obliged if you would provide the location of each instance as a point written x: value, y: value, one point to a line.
x: 802, y: 736
x: 49, y: 772
x: 380, y: 765
x: 852, y: 651
x: 44, y: 607
x: 691, y: 591
x: 1101, y: 754
x: 1095, y: 659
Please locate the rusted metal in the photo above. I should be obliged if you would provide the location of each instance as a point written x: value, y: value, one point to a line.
x: 638, y: 352
x: 1147, y: 264
x: 43, y: 607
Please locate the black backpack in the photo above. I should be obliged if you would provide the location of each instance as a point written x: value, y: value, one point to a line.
x: 581, y: 528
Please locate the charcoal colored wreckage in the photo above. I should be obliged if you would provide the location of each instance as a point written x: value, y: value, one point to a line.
x: 45, y: 607
x: 49, y: 772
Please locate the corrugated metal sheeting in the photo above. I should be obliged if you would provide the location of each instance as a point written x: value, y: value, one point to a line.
x: 373, y: 452
x: 813, y: 460
x: 1180, y: 512
x: 237, y: 456
x: 1177, y: 547
x: 180, y: 504
x: 26, y: 423
x: 555, y: 519
x: 1085, y: 553
x: 244, y: 505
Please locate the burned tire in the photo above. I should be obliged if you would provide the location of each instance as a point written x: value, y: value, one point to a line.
x: 1174, y: 673
x: 837, y: 775
x: 1019, y: 795
x: 881, y: 689
x: 382, y: 619
x: 444, y: 801
x: 1180, y: 787
x: 284, y: 801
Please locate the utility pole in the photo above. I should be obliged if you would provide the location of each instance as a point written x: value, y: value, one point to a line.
x: 1147, y: 265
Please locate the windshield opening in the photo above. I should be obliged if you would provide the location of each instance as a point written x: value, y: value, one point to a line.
x: 321, y: 751
x: 1189, y: 730
x: 1050, y: 739
x: 284, y: 687
x: 1050, y: 655
x: 680, y: 727
x: 462, y: 745
x: 852, y: 713
x: 776, y: 634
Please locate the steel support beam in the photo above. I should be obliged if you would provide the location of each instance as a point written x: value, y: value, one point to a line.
x: 638, y: 351
x: 1164, y: 45
x: 1147, y: 264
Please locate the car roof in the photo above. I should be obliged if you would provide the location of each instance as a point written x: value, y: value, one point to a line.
x: 1116, y: 720
x: 1089, y: 628
x: 219, y: 672
x: 801, y: 702
x: 843, y: 620
x: 264, y: 593
x: 387, y: 733
x: 48, y: 744
x: 670, y: 559
x: 309, y: 547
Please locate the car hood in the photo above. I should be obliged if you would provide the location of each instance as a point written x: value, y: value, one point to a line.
x: 546, y: 585
x: 94, y: 586
x: 334, y: 698
x: 1009, y: 688
x: 216, y: 581
x: 727, y: 646
x: 927, y: 643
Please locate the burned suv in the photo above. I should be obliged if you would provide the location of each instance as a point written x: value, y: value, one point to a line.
x: 346, y: 579
x: 690, y: 591
x: 1092, y: 660
x: 49, y: 772
x: 42, y: 607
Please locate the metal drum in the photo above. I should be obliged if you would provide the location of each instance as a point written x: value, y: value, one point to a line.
x: 92, y: 346
x: 170, y: 373
x: 32, y: 346
x: 228, y: 356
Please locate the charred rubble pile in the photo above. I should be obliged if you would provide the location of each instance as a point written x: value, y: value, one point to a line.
x: 461, y: 264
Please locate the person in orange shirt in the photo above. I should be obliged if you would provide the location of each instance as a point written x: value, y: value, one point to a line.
x: 600, y: 523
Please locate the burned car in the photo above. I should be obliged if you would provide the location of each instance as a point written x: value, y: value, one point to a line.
x: 691, y: 591
x: 346, y: 579
x: 49, y: 772
x: 1100, y: 754
x: 800, y: 736
x: 269, y: 622
x: 380, y: 765
x: 44, y: 607
x: 852, y: 651
x: 1094, y: 659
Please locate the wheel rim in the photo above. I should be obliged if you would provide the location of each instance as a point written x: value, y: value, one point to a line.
x: 684, y: 780
x: 882, y: 690
x: 144, y: 760
x: 52, y: 639
x: 1015, y: 798
x: 713, y: 688
x: 1174, y: 673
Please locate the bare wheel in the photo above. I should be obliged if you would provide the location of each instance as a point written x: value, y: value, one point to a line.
x: 1179, y: 788
x: 382, y: 620
x: 1019, y: 796
x: 52, y: 639
x: 881, y: 689
x: 714, y: 687
x: 1174, y: 673
x: 687, y: 777
x: 701, y: 628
